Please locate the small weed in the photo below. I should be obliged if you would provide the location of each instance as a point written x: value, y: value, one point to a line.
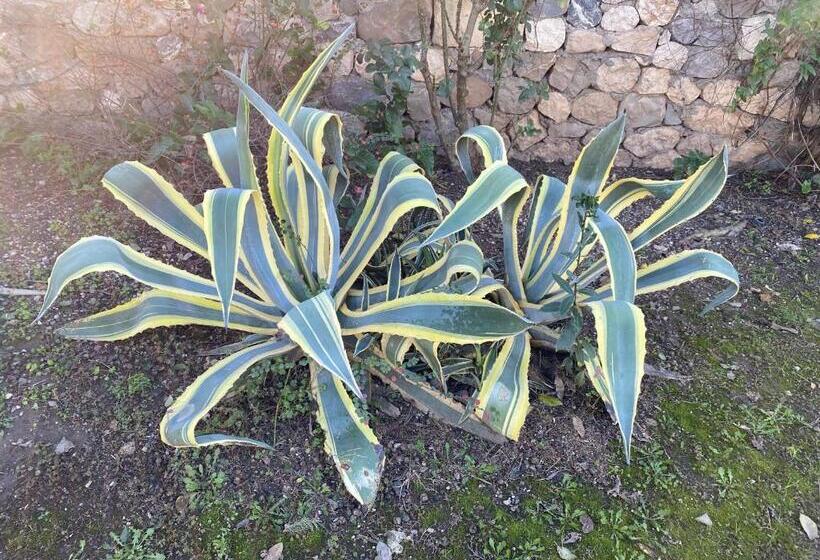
x: 772, y: 423
x: 756, y: 182
x: 132, y: 544
x: 499, y: 550
x: 5, y: 413
x: 725, y: 482
x: 204, y: 481
x: 685, y: 165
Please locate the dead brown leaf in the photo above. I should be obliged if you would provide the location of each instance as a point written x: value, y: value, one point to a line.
x: 578, y: 424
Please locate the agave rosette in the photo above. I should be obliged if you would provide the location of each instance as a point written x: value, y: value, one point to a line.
x: 545, y: 284
x: 299, y: 284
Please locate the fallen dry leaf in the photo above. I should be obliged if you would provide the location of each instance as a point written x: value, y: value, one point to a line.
x: 564, y: 553
x: 705, y: 519
x: 578, y: 424
x: 274, y: 552
x: 809, y: 526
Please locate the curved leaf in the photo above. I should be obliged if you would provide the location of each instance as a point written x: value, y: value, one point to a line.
x: 495, y: 185
x: 490, y: 144
x: 403, y: 194
x: 276, y: 156
x: 436, y: 317
x: 619, y: 255
x: 103, y: 254
x: 503, y: 398
x: 587, y: 178
x: 351, y: 443
x: 224, y: 213
x: 314, y: 327
x: 682, y: 267
x: 465, y: 257
x: 178, y: 426
x: 158, y: 308
x: 621, y: 337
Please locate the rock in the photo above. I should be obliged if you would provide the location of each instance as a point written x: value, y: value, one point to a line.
x: 479, y: 91
x: 564, y: 150
x: 584, y: 13
x: 736, y: 8
x: 617, y: 74
x: 641, y: 40
x: 383, y: 551
x: 394, y: 22
x: 349, y: 7
x: 435, y: 61
x: 169, y: 47
x: 708, y: 144
x: 95, y: 18
x: 128, y: 448
x: 533, y: 65
x: 570, y: 76
x: 720, y: 92
x: 594, y: 107
x: 672, y: 116
x: 785, y: 74
x: 546, y: 35
x: 706, y: 62
x: 343, y: 64
x: 477, y: 38
x: 715, y: 32
x: 663, y: 160
x: 682, y: 90
x: 701, y: 117
x: 529, y: 131
x: 584, y: 40
x: 653, y: 81
x: 483, y: 116
x: 63, y: 446
x: 349, y: 92
x: 508, y: 97
x: 644, y: 110
x: 568, y: 129
x: 812, y: 116
x: 770, y: 102
x: 657, y: 12
x: 620, y: 18
x: 144, y: 22
x: 418, y: 104
x: 671, y: 56
x: 652, y: 140
x: 752, y: 31
x: 547, y: 8
x: 705, y: 519
x: 684, y: 27
x: 622, y: 159
x: 753, y: 152
x: 352, y: 125
x: 555, y: 107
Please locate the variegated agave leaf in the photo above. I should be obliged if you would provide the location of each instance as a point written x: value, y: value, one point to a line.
x: 297, y: 278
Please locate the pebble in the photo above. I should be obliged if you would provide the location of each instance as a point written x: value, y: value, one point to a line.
x: 64, y: 446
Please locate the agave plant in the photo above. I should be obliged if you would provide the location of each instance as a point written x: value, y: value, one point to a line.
x: 558, y: 277
x: 296, y: 278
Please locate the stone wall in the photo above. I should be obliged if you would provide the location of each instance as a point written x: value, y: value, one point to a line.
x: 671, y: 65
